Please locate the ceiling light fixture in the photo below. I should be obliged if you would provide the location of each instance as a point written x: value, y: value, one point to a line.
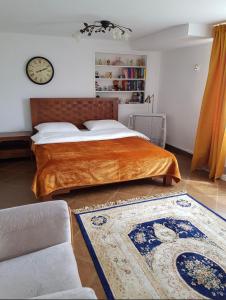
x: 118, y: 32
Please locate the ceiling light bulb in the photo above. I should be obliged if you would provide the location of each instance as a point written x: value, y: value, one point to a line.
x: 117, y: 34
x: 126, y: 36
x: 114, y: 33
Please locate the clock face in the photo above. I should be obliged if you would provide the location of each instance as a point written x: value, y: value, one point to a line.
x: 39, y: 70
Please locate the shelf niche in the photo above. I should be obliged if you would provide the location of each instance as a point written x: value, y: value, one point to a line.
x: 121, y: 74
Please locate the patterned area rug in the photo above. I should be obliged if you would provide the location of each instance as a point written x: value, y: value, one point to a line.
x: 171, y: 247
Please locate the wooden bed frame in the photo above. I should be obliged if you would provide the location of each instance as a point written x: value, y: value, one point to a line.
x: 75, y: 111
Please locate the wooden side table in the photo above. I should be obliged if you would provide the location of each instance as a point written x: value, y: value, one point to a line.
x: 15, y: 144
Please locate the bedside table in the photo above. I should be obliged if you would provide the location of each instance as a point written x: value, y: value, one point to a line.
x: 15, y: 144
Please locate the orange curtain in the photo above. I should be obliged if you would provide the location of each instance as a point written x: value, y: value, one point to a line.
x: 210, y: 144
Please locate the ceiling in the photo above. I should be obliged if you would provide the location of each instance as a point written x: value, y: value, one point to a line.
x: 64, y: 17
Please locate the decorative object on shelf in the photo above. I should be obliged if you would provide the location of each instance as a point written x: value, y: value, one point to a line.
x: 100, y: 62
x: 116, y: 85
x: 136, y: 98
x: 118, y: 32
x: 140, y: 62
x: 125, y: 73
x: 118, y: 62
x: 97, y: 86
x: 39, y: 70
x: 108, y: 62
x: 97, y: 74
x: 108, y: 75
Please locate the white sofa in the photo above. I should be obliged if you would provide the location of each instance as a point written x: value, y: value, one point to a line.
x: 36, y: 255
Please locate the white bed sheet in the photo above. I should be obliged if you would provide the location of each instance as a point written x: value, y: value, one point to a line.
x: 84, y: 135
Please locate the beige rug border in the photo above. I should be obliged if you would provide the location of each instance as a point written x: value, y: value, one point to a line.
x: 119, y: 202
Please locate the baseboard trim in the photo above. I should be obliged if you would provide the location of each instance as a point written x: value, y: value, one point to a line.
x: 178, y: 150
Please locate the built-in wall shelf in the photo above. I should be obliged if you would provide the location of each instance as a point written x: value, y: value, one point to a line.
x: 120, y: 91
x: 103, y: 78
x: 121, y: 74
x: 122, y: 66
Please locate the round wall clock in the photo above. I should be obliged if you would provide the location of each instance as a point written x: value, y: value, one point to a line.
x: 39, y: 70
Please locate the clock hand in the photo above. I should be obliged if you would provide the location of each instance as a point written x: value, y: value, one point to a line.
x: 41, y: 70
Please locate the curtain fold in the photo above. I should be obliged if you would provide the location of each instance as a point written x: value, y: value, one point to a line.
x: 210, y: 144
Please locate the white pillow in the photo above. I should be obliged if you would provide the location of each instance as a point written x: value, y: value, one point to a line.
x: 103, y: 124
x: 56, y: 127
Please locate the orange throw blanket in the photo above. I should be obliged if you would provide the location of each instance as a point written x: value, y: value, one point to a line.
x: 77, y: 164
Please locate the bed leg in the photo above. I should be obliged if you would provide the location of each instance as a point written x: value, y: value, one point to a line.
x: 167, y: 180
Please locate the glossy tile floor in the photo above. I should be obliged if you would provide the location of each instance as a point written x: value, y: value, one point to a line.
x: 15, y: 189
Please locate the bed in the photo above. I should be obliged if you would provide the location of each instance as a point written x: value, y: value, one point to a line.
x: 113, y: 157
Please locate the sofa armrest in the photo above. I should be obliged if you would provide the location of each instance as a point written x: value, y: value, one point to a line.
x: 78, y: 293
x: 29, y: 228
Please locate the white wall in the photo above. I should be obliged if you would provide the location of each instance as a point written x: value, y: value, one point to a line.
x: 74, y: 73
x: 181, y: 90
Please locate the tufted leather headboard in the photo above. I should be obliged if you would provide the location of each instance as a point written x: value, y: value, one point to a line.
x: 73, y: 110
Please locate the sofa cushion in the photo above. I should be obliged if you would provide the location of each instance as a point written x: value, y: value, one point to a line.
x: 46, y: 271
x: 29, y: 228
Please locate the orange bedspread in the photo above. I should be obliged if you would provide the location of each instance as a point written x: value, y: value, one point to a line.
x: 77, y: 164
